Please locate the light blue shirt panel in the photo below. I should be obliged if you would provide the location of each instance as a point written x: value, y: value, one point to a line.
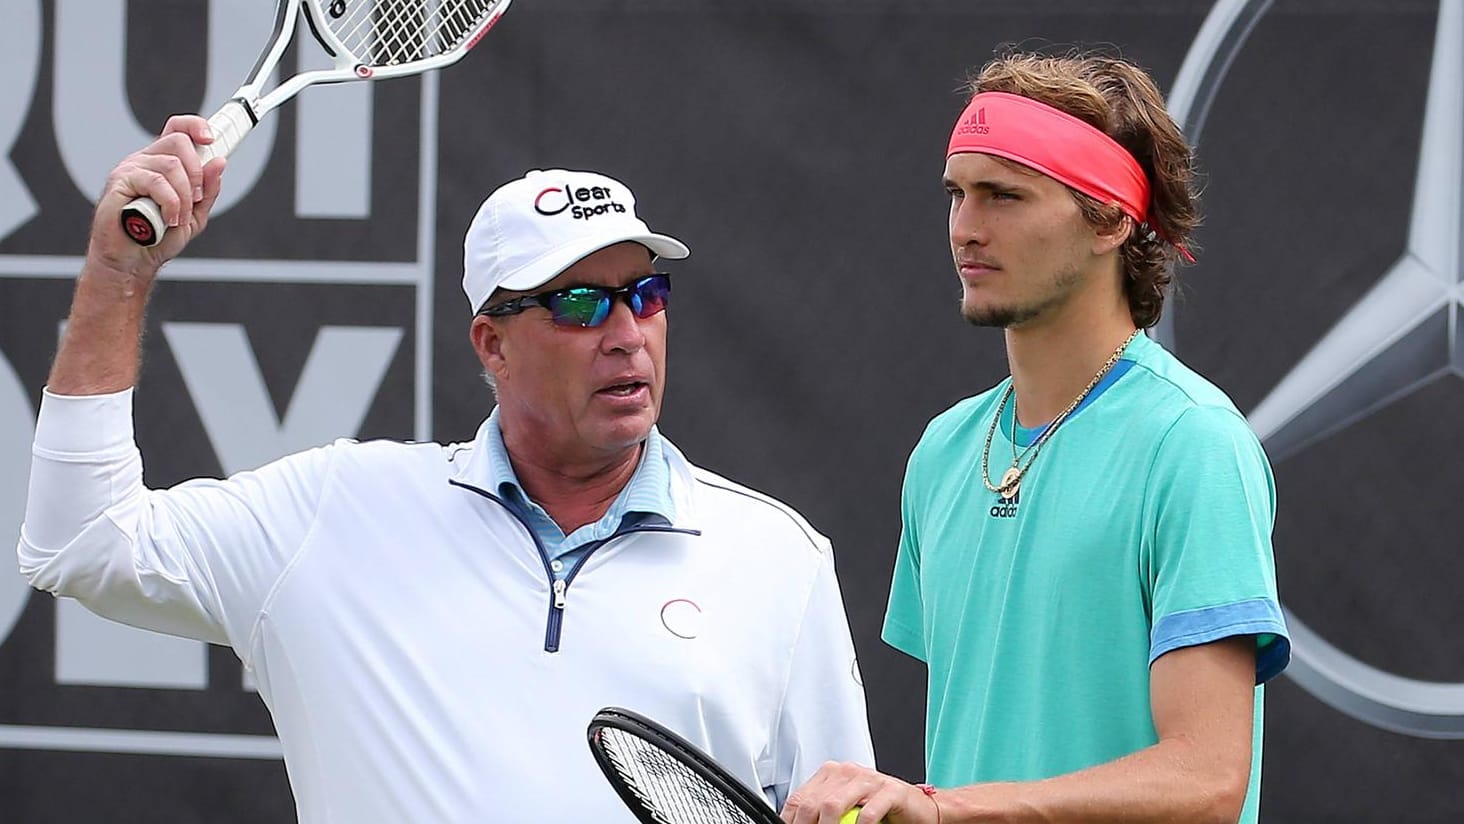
x: 646, y: 496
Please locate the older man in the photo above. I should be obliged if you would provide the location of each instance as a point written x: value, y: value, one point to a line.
x: 432, y: 626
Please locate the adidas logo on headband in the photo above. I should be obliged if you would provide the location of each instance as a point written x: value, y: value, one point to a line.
x: 974, y: 124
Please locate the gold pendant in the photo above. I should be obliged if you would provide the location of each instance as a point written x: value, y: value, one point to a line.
x: 1010, y: 482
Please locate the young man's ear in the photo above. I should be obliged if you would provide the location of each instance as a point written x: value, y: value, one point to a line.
x: 1111, y: 237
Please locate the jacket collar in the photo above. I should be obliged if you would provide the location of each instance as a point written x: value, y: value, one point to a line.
x: 474, y: 467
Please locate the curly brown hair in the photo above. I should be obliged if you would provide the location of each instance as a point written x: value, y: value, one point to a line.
x: 1121, y: 100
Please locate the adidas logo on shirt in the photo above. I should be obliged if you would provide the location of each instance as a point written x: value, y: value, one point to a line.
x: 1004, y: 508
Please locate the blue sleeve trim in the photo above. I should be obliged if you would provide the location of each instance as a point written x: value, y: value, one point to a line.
x: 1260, y: 617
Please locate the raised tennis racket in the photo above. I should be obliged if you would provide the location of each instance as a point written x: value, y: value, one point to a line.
x: 664, y: 779
x: 366, y: 40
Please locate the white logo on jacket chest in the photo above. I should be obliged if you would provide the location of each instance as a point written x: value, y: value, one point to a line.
x: 682, y: 618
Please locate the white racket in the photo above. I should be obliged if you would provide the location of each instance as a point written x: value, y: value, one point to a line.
x: 366, y: 40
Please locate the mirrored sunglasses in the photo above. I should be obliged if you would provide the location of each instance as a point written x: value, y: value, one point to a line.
x: 589, y: 306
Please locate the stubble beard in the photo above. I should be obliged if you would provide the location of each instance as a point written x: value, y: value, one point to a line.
x: 1000, y: 317
x: 1005, y: 317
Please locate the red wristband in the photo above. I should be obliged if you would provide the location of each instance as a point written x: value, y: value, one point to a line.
x: 929, y: 791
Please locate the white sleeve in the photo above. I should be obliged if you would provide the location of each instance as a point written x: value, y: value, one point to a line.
x: 197, y: 560
x: 823, y: 717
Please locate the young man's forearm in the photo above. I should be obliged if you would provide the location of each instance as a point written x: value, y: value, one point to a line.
x: 1173, y: 780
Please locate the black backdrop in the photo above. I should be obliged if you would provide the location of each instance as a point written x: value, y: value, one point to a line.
x: 797, y: 146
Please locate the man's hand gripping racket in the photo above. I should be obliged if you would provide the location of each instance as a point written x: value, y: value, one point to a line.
x: 366, y: 40
x: 664, y: 779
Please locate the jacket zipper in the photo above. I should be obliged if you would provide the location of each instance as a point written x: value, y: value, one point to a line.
x: 559, y: 588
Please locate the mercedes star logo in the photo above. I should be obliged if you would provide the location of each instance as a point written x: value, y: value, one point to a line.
x: 1401, y: 336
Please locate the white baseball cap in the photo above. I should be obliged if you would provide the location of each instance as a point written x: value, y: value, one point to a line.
x: 533, y: 228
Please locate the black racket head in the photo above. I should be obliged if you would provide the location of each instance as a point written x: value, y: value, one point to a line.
x: 664, y: 779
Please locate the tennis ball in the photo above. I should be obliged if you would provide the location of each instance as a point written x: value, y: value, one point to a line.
x: 848, y: 818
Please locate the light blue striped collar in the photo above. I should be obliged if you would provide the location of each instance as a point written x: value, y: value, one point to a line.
x: 648, y: 493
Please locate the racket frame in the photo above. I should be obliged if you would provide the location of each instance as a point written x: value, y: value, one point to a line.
x: 142, y: 220
x: 347, y: 65
x: 678, y: 748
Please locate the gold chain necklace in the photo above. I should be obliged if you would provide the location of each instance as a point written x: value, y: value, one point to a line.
x: 1011, y: 480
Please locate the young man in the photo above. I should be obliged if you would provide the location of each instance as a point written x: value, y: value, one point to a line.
x: 432, y: 627
x: 1085, y: 564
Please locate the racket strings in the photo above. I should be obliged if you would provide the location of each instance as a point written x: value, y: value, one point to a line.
x: 392, y: 32
x: 671, y: 791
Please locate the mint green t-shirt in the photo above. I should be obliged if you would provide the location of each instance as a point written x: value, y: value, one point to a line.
x: 1143, y: 526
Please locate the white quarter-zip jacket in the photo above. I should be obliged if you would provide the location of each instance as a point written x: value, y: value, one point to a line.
x: 405, y: 632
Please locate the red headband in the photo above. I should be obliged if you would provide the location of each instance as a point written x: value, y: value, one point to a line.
x: 1056, y: 144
